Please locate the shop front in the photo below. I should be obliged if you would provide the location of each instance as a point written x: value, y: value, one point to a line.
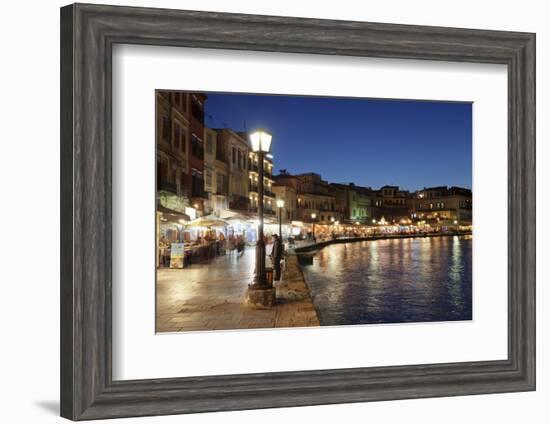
x: 244, y: 225
x: 169, y: 234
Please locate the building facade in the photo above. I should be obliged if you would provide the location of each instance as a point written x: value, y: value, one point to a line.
x: 234, y: 148
x: 220, y: 183
x: 444, y: 205
x: 195, y: 175
x: 288, y: 195
x: 180, y: 149
x: 210, y: 146
x: 253, y: 182
x: 361, y: 200
x: 172, y: 136
x: 392, y: 204
x: 315, y: 202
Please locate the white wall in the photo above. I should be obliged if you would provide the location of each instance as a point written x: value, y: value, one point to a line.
x: 30, y: 198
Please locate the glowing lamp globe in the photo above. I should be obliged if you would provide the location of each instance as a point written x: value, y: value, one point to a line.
x: 261, y: 141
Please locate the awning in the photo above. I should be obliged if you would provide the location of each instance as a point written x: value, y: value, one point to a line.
x: 172, y: 216
x: 234, y: 215
x: 207, y: 221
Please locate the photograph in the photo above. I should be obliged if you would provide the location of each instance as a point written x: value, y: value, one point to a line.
x: 281, y: 211
x: 271, y: 212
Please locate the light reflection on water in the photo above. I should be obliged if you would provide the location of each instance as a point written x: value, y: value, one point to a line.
x: 389, y: 281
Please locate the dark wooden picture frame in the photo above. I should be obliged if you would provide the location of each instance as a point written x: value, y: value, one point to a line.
x: 88, y: 33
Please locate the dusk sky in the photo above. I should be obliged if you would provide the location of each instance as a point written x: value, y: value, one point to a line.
x: 412, y: 144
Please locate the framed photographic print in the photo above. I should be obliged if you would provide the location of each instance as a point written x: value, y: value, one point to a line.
x: 264, y: 212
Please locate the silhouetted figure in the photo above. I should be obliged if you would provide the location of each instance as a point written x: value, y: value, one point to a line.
x: 276, y: 256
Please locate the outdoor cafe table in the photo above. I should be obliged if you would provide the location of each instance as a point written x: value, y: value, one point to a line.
x: 200, y: 252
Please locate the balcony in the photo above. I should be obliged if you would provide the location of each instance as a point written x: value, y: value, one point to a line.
x: 197, y: 111
x: 254, y: 168
x: 197, y: 188
x: 254, y: 189
x: 237, y: 202
x: 167, y: 186
x: 197, y: 149
x: 199, y: 194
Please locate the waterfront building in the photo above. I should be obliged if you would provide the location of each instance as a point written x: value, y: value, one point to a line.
x: 355, y: 203
x: 321, y: 205
x: 286, y: 179
x: 180, y: 164
x: 172, y: 136
x: 210, y: 145
x: 194, y: 178
x: 313, y: 197
x: 392, y: 204
x: 443, y: 205
x: 361, y: 201
x: 220, y: 183
x: 236, y: 147
x: 286, y: 193
x: 312, y: 182
x: 341, y: 193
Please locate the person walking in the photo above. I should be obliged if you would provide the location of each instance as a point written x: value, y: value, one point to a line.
x: 240, y: 246
x: 276, y: 256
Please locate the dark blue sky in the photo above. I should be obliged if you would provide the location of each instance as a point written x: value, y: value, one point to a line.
x: 413, y: 144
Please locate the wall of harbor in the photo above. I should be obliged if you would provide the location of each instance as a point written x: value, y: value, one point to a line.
x: 319, y: 245
x: 294, y: 303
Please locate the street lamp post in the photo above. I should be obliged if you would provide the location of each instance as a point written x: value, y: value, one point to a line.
x: 313, y: 216
x: 280, y: 205
x: 260, y: 293
x: 261, y: 144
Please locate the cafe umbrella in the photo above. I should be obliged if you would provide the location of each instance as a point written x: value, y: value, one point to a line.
x: 210, y: 248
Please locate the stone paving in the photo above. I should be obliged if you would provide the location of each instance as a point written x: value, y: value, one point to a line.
x: 212, y: 297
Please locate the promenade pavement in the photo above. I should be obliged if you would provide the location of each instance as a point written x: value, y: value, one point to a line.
x: 212, y: 297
